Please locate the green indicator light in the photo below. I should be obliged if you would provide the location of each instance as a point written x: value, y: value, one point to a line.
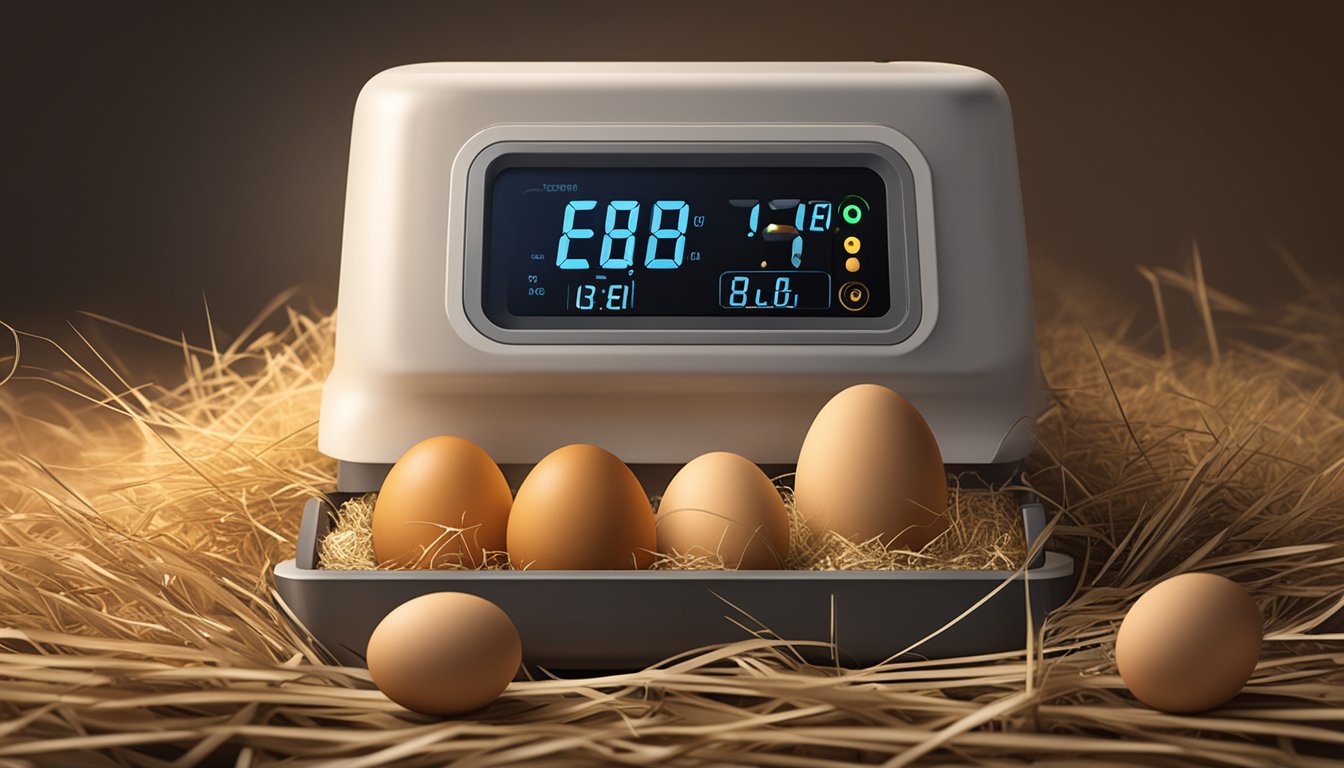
x: 851, y: 213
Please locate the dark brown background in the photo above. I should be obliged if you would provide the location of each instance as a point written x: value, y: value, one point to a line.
x: 155, y: 153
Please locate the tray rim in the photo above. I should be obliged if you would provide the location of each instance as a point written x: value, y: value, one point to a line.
x: 1056, y: 565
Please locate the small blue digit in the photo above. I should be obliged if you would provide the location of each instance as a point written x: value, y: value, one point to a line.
x: 820, y: 221
x: 782, y: 292
x: 796, y: 247
x: 657, y: 232
x: 617, y: 296
x: 737, y: 292
x: 568, y: 232
x: 584, y: 296
x: 626, y: 233
x: 754, y: 217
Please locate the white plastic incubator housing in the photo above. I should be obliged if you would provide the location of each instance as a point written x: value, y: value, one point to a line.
x: 420, y: 353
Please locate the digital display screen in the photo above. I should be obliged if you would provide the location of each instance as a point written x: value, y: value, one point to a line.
x: 711, y: 241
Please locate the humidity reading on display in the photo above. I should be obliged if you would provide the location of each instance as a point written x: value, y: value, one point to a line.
x: 608, y: 240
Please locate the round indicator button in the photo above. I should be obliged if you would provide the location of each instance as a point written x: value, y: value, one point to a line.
x: 852, y: 244
x: 851, y: 264
x: 853, y: 296
x: 851, y: 213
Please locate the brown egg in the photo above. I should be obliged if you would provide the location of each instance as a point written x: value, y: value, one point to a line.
x: 581, y: 508
x: 443, y: 503
x: 723, y: 504
x: 870, y: 467
x: 444, y: 653
x: 1189, y: 643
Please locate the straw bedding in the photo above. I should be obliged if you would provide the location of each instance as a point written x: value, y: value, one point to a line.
x: 139, y: 524
x: 984, y: 532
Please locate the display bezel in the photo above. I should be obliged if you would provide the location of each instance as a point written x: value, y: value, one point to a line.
x: 896, y: 325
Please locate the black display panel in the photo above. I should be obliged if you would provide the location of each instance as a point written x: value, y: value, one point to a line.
x: 611, y: 241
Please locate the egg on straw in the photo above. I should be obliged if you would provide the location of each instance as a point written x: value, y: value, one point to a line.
x: 444, y: 504
x: 870, y: 469
x: 722, y: 506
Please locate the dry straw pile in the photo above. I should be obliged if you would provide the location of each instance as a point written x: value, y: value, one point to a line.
x: 139, y: 525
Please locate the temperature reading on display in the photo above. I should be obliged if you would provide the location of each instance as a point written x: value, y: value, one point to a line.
x: 775, y: 290
x: 812, y: 216
x: 740, y: 287
x: 731, y: 242
x: 783, y: 296
x: 669, y: 221
x: 597, y: 296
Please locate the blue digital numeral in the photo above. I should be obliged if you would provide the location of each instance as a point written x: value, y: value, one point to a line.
x: 568, y: 233
x: 618, y: 296
x: 737, y: 291
x: 584, y: 296
x: 626, y: 233
x: 818, y: 215
x: 651, y: 258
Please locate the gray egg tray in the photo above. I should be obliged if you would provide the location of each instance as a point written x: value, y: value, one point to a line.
x: 608, y: 620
